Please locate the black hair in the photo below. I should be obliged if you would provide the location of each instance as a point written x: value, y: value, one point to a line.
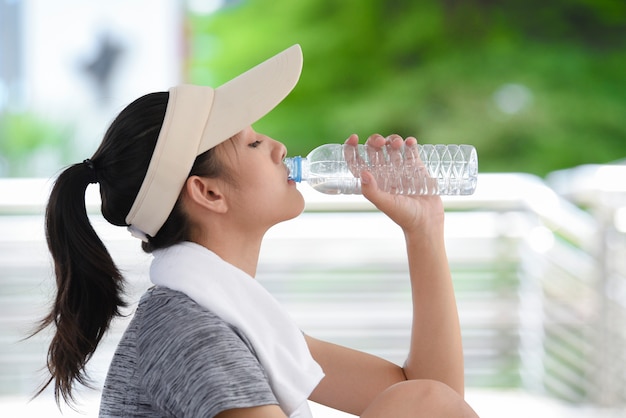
x: 90, y: 287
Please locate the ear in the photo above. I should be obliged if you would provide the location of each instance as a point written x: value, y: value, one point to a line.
x: 206, y: 193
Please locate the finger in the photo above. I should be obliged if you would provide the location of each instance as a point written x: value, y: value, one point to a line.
x: 376, y: 141
x: 397, y: 181
x: 376, y: 158
x: 352, y: 140
x: 394, y: 147
x: 374, y: 146
x: 369, y: 187
x: 351, y: 155
x: 413, y: 166
x: 370, y: 190
x: 411, y: 150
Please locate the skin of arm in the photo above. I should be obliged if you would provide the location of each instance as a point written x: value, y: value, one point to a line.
x: 267, y: 411
x: 353, y: 379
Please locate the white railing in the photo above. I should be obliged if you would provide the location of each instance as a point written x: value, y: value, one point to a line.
x: 540, y: 283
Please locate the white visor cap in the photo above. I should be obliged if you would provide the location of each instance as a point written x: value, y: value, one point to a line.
x: 198, y: 118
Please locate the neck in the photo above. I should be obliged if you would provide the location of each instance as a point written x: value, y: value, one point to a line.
x: 239, y: 249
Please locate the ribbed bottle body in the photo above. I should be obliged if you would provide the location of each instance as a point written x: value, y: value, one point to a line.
x: 415, y: 170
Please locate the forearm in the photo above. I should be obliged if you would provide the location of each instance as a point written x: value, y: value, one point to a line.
x: 435, y: 349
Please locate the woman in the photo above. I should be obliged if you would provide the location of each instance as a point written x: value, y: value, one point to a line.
x: 186, y: 173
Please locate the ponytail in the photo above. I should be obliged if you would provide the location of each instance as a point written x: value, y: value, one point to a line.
x: 89, y: 285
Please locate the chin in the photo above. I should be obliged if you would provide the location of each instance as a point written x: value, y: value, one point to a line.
x: 297, y: 206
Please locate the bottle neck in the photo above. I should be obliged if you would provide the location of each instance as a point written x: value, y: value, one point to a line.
x: 294, y: 165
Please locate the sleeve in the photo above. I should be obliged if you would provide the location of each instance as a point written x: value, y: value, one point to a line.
x: 193, y: 364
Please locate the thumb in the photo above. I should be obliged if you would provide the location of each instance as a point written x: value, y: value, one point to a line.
x: 369, y: 187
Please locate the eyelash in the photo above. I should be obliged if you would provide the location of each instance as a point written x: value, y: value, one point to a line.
x: 255, y: 144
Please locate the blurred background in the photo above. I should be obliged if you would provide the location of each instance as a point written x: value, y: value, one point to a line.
x: 536, y: 86
x: 538, y: 253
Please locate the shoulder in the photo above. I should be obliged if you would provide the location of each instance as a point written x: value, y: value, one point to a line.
x: 170, y: 321
x: 162, y: 301
x: 162, y: 309
x: 186, y: 351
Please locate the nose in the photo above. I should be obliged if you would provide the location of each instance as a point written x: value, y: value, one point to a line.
x: 281, y: 150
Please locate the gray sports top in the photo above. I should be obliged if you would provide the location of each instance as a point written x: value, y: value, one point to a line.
x: 177, y: 359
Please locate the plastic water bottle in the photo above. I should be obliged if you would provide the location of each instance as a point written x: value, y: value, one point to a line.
x: 412, y: 170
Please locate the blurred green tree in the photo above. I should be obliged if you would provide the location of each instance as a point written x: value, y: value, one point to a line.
x: 536, y: 86
x: 31, y: 146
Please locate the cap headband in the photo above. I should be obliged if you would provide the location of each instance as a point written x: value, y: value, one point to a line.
x: 198, y: 118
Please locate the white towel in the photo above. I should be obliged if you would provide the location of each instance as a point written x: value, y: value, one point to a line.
x: 240, y: 300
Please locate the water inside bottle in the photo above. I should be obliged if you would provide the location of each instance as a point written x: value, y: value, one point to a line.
x: 439, y: 170
x: 344, y: 185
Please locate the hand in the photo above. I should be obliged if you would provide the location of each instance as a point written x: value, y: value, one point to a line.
x: 413, y: 213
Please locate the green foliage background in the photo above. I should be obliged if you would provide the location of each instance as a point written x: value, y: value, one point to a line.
x: 433, y: 69
x: 30, y: 146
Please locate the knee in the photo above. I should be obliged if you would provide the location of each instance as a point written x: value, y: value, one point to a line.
x: 419, y: 398
x: 423, y: 392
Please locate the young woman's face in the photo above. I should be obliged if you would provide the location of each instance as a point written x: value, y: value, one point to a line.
x: 261, y: 191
